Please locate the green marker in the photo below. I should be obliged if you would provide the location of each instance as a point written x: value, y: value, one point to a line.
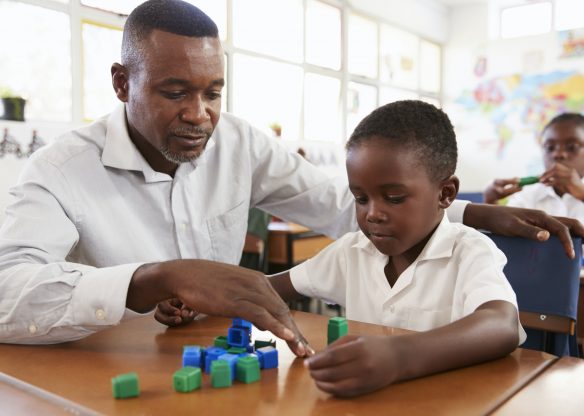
x: 528, y: 180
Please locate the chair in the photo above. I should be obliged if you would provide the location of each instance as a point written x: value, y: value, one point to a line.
x: 470, y: 196
x: 255, y: 249
x: 546, y: 283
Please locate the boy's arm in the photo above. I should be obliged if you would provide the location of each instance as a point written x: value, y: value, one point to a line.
x: 282, y: 284
x: 356, y: 365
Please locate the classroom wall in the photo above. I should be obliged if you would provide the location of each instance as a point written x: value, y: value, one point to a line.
x: 523, y: 79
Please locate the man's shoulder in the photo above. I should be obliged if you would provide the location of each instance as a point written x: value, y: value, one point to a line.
x: 81, y: 143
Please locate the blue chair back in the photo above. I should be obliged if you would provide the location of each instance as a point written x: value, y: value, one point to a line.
x: 470, y: 196
x: 547, y: 284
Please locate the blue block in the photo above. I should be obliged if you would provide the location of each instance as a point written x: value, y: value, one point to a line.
x: 268, y: 357
x: 232, y: 360
x: 242, y: 323
x: 211, y: 354
x: 238, y: 337
x: 249, y: 348
x: 193, y: 356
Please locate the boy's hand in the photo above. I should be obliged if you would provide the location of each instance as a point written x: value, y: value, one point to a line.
x: 564, y: 179
x: 355, y: 365
x: 501, y: 188
x: 173, y: 313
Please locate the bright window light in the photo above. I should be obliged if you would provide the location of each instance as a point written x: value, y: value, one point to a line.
x: 531, y: 19
x: 101, y: 48
x: 361, y: 100
x: 363, y: 50
x: 323, y: 35
x: 322, y: 115
x: 569, y: 14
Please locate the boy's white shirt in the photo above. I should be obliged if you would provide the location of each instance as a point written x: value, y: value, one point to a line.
x: 458, y: 270
x: 540, y: 196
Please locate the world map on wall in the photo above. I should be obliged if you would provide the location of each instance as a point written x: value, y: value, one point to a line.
x: 524, y: 102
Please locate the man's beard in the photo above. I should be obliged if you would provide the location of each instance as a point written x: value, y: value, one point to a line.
x: 183, y: 157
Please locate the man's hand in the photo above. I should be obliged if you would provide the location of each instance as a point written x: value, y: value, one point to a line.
x: 501, y: 188
x: 172, y: 312
x: 523, y: 222
x: 216, y: 289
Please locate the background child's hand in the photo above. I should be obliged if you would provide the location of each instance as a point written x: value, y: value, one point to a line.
x: 564, y: 179
x: 355, y: 365
x: 172, y: 313
x: 501, y: 188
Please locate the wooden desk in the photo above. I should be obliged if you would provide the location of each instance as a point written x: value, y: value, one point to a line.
x: 290, y: 244
x: 557, y: 391
x: 81, y: 371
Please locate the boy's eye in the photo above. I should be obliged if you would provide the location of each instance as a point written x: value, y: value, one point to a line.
x: 360, y: 200
x: 395, y: 199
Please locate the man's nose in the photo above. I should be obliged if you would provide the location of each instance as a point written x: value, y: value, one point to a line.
x: 196, y: 112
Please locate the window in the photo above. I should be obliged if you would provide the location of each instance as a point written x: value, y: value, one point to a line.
x: 530, y: 19
x: 315, y: 67
x: 569, y: 14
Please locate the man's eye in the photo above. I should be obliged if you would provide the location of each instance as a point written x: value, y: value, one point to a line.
x: 173, y: 95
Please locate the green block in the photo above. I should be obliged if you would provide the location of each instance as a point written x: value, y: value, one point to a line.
x: 236, y: 350
x: 337, y: 327
x: 528, y: 180
x: 221, y: 341
x: 125, y: 385
x: 187, y: 379
x: 220, y: 374
x: 247, y: 369
x: 260, y: 344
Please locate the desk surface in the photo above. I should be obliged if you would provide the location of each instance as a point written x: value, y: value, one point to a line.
x: 81, y: 372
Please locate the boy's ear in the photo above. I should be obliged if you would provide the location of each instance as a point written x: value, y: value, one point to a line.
x: 448, y: 191
x: 120, y: 81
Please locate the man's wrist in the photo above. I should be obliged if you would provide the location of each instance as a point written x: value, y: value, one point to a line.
x: 147, y: 288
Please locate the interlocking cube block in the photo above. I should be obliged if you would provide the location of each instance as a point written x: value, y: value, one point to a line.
x: 268, y: 357
x: 260, y: 344
x: 248, y: 369
x: 220, y: 374
x: 125, y: 385
x: 187, y: 379
x: 241, y: 323
x: 232, y: 360
x: 193, y: 356
x: 238, y: 337
x: 211, y: 354
x: 221, y: 341
x: 337, y: 327
x: 236, y: 350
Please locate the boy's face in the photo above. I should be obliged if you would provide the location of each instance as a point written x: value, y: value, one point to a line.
x: 563, y: 142
x: 397, y: 204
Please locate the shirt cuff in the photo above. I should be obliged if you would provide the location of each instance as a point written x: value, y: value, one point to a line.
x: 455, y: 211
x: 99, y: 297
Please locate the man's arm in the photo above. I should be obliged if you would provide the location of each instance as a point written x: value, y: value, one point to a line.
x: 216, y: 289
x: 523, y: 222
x: 356, y: 365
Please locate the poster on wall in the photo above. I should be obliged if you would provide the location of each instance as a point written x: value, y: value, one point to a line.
x: 498, y: 123
x: 571, y: 43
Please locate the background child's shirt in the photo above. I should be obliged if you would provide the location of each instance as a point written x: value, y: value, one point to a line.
x: 540, y: 196
x: 458, y: 270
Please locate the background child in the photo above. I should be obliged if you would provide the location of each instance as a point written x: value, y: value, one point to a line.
x: 408, y: 267
x: 560, y: 190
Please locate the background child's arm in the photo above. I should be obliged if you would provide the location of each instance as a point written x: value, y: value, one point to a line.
x: 564, y: 179
x: 356, y: 365
x: 282, y: 283
x: 499, y: 189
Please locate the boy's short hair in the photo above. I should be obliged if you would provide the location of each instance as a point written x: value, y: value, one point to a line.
x: 576, y: 118
x: 415, y: 124
x: 173, y: 16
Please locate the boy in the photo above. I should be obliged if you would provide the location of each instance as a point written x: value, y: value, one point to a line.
x: 560, y: 190
x: 408, y: 267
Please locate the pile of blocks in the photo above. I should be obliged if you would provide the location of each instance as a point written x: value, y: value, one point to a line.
x: 231, y: 357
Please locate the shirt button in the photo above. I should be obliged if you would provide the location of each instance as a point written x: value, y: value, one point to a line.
x: 100, y: 314
x: 32, y: 328
x: 184, y: 226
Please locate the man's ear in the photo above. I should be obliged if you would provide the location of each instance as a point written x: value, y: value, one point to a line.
x: 448, y: 191
x: 120, y: 81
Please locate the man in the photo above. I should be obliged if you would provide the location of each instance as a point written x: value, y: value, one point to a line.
x: 102, y: 215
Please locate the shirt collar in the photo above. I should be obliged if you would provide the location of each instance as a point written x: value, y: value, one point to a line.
x: 121, y: 153
x: 440, y: 245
